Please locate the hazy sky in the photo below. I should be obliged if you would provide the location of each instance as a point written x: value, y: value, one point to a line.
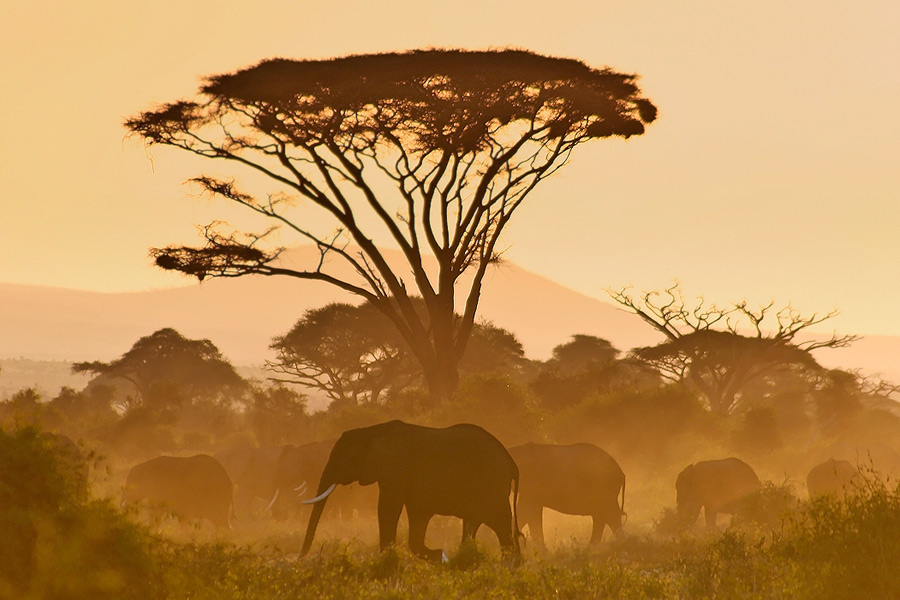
x: 773, y: 171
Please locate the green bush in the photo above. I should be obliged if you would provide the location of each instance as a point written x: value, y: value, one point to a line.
x: 56, y: 543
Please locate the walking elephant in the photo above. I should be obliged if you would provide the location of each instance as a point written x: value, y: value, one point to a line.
x: 295, y: 474
x: 834, y: 477
x: 460, y: 471
x: 717, y: 486
x: 193, y: 487
x: 576, y: 479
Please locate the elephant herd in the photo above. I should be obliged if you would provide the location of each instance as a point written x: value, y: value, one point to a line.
x: 460, y: 471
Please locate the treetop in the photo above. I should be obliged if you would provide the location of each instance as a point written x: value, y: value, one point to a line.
x: 439, y: 96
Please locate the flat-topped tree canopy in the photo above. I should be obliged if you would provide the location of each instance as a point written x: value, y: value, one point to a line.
x: 463, y: 135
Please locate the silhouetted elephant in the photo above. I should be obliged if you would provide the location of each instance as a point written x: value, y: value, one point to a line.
x: 194, y: 487
x: 297, y: 471
x: 717, y: 486
x: 460, y: 471
x: 252, y: 471
x: 835, y: 477
x: 577, y: 479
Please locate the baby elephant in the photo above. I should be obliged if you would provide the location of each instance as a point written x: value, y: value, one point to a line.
x: 578, y: 479
x: 193, y: 487
x: 717, y: 486
x: 835, y: 477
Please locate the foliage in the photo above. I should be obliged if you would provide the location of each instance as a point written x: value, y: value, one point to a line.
x: 826, y: 550
x: 355, y: 354
x: 349, y: 352
x: 166, y: 369
x: 723, y: 362
x: 583, y: 367
x: 277, y: 415
x: 461, y: 137
x: 23, y: 408
x: 56, y: 542
x: 496, y: 403
x: 639, y: 422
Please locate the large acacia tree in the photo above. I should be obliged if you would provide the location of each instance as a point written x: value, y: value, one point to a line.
x: 462, y: 137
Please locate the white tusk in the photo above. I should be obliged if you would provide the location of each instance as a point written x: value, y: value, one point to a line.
x: 300, y: 489
x: 444, y: 558
x: 321, y: 496
x: 272, y: 502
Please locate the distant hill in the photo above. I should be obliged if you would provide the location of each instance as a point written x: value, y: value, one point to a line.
x: 242, y: 315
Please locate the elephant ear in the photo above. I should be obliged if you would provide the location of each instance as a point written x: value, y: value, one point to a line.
x: 684, y: 478
x: 382, y: 460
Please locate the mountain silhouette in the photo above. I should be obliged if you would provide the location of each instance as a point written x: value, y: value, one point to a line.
x: 242, y: 315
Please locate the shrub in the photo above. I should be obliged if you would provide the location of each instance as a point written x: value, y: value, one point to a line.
x: 56, y: 542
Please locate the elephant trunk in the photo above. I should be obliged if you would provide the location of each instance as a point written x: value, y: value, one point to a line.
x: 316, y: 514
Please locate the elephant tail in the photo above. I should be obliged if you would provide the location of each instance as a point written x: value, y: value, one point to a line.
x: 622, y: 505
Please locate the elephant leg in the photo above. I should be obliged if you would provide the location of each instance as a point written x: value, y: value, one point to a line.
x: 533, y: 517
x: 470, y: 528
x: 501, y: 522
x: 418, y: 524
x: 389, y: 510
x: 609, y: 514
x: 710, y: 515
x: 598, y: 526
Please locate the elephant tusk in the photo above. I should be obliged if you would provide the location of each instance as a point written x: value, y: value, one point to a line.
x: 444, y: 558
x: 272, y: 502
x: 321, y: 496
x: 300, y: 489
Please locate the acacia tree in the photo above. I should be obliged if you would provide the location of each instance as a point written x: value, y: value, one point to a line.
x: 723, y: 351
x: 166, y: 360
x: 355, y: 353
x: 348, y: 352
x: 462, y: 138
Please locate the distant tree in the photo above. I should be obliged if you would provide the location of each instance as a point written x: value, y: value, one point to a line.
x: 461, y: 137
x: 278, y: 415
x: 348, y: 352
x: 493, y: 349
x: 23, y: 408
x: 354, y: 353
x: 168, y: 368
x: 583, y: 352
x: 722, y: 362
x: 80, y: 413
x: 585, y: 365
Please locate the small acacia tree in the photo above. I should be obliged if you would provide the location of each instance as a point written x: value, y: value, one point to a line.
x: 354, y: 353
x: 348, y: 352
x: 166, y: 361
x: 722, y: 351
x: 461, y: 137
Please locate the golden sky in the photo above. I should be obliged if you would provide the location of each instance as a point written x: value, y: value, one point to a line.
x: 773, y: 172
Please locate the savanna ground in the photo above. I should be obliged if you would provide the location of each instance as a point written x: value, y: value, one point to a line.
x: 60, y: 541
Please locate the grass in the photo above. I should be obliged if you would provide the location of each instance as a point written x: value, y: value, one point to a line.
x: 60, y: 544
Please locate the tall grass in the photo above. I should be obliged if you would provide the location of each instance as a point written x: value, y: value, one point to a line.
x: 58, y: 543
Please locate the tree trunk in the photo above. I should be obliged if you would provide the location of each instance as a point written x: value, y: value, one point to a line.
x: 442, y: 379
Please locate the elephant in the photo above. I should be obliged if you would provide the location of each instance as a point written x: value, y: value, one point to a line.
x: 834, y: 477
x: 461, y: 471
x: 575, y: 479
x: 252, y: 470
x: 192, y: 487
x: 717, y: 486
x: 297, y: 470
